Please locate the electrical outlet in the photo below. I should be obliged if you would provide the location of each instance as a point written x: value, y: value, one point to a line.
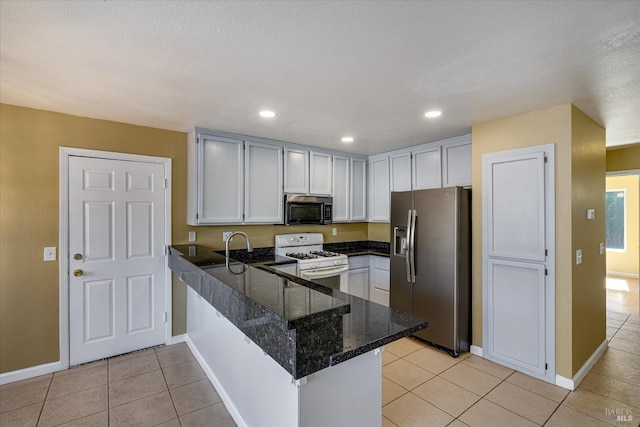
x: 192, y: 236
x: 602, y: 248
x: 50, y: 253
x: 225, y: 235
x: 334, y: 231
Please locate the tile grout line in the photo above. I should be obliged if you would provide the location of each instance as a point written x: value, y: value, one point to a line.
x: 168, y: 389
x: 44, y: 400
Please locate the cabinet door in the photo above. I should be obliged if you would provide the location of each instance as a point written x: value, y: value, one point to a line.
x: 379, y: 194
x: 456, y: 163
x: 296, y: 171
x: 263, y: 191
x: 340, y: 189
x: 320, y: 173
x: 400, y: 172
x: 380, y: 280
x: 358, y: 284
x: 426, y: 168
x: 358, y: 191
x: 220, y: 177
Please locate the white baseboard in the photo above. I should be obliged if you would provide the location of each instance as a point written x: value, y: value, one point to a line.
x: 573, y: 383
x: 177, y: 339
x: 476, y: 350
x: 615, y: 273
x: 228, y: 403
x: 26, y: 373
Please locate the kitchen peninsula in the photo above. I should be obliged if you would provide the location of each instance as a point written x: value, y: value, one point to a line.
x: 283, y: 351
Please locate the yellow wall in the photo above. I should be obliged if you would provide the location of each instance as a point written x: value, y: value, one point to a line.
x: 588, y: 165
x: 551, y: 125
x: 623, y: 159
x: 379, y: 231
x: 626, y: 262
x: 29, y: 220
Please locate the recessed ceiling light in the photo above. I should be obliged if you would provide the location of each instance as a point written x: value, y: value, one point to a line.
x: 347, y: 139
x: 433, y: 113
x: 267, y: 113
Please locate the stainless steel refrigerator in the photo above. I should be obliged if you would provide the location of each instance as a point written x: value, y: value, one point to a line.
x: 431, y: 262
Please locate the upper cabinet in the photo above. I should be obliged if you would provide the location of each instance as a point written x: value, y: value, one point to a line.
x: 400, y: 171
x: 379, y: 194
x: 445, y: 163
x: 456, y: 164
x: 232, y: 181
x: 426, y: 168
x: 263, y: 184
x: 320, y: 173
x: 341, y: 190
x: 358, y: 189
x: 296, y: 171
x: 216, y: 180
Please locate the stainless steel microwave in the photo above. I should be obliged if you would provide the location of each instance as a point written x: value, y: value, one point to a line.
x: 307, y: 210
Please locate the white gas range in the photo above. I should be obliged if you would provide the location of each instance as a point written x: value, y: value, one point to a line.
x: 313, y: 262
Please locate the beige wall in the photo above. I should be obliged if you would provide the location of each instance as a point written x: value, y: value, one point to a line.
x: 626, y: 262
x: 551, y: 125
x: 379, y: 231
x: 29, y: 192
x: 623, y: 159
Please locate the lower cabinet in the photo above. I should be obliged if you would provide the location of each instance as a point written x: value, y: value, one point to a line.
x: 369, y: 278
x: 380, y: 283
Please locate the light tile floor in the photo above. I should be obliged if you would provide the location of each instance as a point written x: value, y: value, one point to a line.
x: 623, y: 294
x: 421, y: 386
x: 164, y: 386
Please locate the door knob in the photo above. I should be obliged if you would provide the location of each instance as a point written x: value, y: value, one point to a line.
x: 77, y: 272
x: 77, y: 257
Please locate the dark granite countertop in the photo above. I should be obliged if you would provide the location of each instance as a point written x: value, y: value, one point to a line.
x: 364, y: 325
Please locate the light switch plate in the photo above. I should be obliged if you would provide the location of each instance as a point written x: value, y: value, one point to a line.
x: 579, y: 256
x: 192, y: 236
x: 50, y: 253
x: 334, y: 231
x: 591, y: 214
x: 602, y: 248
x: 225, y: 235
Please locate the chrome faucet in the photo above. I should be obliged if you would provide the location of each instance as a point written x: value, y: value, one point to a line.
x: 226, y: 245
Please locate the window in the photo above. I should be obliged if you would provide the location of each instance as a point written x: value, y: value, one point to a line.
x: 615, y: 219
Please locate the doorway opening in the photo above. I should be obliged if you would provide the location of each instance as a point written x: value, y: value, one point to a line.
x: 622, y: 246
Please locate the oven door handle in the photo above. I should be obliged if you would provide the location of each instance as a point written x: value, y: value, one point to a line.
x: 321, y: 274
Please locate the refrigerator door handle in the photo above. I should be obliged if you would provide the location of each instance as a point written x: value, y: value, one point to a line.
x: 412, y: 245
x: 407, y: 254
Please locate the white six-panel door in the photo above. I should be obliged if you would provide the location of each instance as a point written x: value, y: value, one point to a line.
x: 117, y: 261
x: 518, y: 293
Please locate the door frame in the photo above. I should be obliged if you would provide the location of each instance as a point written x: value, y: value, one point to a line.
x: 550, y: 262
x: 63, y: 238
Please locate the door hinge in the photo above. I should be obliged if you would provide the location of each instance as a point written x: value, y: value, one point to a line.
x: 546, y: 159
x: 197, y: 216
x: 546, y: 366
x: 546, y: 252
x: 546, y: 272
x: 165, y: 183
x: 165, y: 317
x: 198, y: 140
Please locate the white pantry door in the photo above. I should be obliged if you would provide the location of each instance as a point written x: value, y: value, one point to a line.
x: 117, y: 262
x: 518, y: 296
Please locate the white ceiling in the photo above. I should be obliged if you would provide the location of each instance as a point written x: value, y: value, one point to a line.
x: 328, y: 68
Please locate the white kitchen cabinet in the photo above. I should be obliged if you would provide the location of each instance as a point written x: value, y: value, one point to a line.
x: 358, y: 283
x: 320, y: 173
x: 358, y: 189
x: 400, y: 171
x: 263, y: 184
x: 296, y: 171
x: 216, y: 179
x: 341, y: 189
x: 379, y: 287
x: 426, y: 167
x: 456, y: 162
x: 379, y: 195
